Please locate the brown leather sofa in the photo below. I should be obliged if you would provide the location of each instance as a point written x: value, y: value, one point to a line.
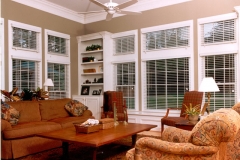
x: 36, y: 117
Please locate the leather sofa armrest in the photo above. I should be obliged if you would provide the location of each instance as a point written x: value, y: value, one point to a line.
x: 87, y: 113
x: 177, y: 135
x: 158, y: 145
x: 5, y: 125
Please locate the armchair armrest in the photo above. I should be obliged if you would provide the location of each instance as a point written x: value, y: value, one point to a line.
x: 158, y: 145
x: 168, y: 109
x: 5, y: 125
x: 173, y: 134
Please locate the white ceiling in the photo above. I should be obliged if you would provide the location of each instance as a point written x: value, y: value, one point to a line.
x: 69, y: 8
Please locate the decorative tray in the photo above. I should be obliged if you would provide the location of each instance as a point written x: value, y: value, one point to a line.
x: 86, y: 128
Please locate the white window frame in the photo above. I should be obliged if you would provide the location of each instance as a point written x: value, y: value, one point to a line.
x: 220, y: 48
x: 2, y: 60
x: 24, y: 54
x: 167, y: 53
x: 125, y: 58
x: 58, y: 58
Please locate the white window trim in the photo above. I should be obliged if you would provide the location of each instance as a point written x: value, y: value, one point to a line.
x: 25, y: 54
x: 2, y: 61
x: 58, y: 58
x: 125, y: 58
x: 181, y: 52
x: 216, y: 49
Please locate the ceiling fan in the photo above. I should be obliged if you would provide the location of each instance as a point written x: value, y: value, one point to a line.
x: 112, y: 8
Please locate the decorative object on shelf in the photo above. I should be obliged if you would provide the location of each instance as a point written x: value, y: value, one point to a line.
x: 87, y: 82
x: 91, y: 59
x: 208, y: 85
x: 96, y: 92
x: 93, y: 47
x: 100, y: 80
x: 192, y: 112
x: 89, y: 70
x: 85, y: 59
x: 85, y: 90
x: 100, y: 68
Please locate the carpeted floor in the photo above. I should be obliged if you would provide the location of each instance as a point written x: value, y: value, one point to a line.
x: 113, y: 151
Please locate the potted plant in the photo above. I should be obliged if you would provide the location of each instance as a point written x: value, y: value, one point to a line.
x: 192, y: 112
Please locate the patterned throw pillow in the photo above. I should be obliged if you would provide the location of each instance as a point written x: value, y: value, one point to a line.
x: 9, y: 113
x: 75, y: 108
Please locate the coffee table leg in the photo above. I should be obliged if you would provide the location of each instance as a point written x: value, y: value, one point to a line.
x: 95, y: 153
x: 65, y: 150
x: 134, y: 139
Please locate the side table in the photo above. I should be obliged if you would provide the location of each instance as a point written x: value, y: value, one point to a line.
x: 186, y: 124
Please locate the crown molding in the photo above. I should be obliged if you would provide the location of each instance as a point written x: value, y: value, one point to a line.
x: 142, y: 5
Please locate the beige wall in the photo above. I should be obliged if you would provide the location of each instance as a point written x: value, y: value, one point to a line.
x: 185, y: 11
x: 24, y: 14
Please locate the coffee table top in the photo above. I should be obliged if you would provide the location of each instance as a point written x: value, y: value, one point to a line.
x: 99, y: 138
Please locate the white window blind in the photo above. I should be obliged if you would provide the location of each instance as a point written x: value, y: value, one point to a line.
x: 25, y: 74
x: 124, y: 45
x: 59, y: 75
x: 223, y: 69
x: 125, y: 82
x: 221, y: 31
x: 166, y: 81
x: 57, y: 45
x: 23, y: 38
x: 170, y: 38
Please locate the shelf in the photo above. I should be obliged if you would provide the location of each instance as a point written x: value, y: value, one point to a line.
x: 98, y: 73
x: 88, y: 52
x: 92, y: 84
x: 97, y: 62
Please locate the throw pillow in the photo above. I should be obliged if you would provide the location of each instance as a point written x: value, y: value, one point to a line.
x: 9, y: 113
x: 75, y: 108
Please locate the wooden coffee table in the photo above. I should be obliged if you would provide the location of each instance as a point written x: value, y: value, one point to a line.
x: 96, y: 139
x: 185, y: 124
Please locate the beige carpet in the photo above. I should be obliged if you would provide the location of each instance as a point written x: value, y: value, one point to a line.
x: 113, y: 151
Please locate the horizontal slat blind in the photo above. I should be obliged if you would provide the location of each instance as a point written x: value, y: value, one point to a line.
x: 23, y: 38
x: 25, y: 74
x: 223, y: 69
x: 170, y: 38
x: 125, y: 82
x: 57, y: 45
x: 124, y: 45
x: 59, y: 75
x: 166, y: 81
x: 221, y: 31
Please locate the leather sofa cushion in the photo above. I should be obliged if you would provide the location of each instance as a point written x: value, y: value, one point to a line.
x: 29, y: 111
x: 66, y: 122
x: 51, y: 109
x: 30, y: 129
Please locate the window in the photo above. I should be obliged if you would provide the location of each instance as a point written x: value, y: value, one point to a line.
x: 124, y: 45
x: 221, y: 31
x: 56, y: 72
x: 169, y: 38
x: 126, y: 82
x: 25, y: 74
x: 223, y: 69
x: 25, y: 56
x: 167, y: 65
x: 166, y: 82
x: 57, y: 52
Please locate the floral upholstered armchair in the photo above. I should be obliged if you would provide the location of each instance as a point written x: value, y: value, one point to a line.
x: 202, y: 143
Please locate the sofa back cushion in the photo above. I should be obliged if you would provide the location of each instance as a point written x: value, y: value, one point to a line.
x: 29, y: 111
x: 51, y: 109
x: 236, y: 107
x: 220, y: 126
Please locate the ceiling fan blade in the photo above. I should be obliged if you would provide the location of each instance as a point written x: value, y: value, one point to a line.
x: 91, y: 12
x: 98, y: 3
x: 126, y: 4
x: 109, y: 17
x: 129, y: 12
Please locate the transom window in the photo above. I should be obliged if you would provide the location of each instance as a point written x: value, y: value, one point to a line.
x: 124, y: 45
x: 169, y: 38
x: 221, y: 31
x: 56, y: 45
x: 166, y: 82
x: 126, y: 82
x: 25, y: 74
x: 23, y: 38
